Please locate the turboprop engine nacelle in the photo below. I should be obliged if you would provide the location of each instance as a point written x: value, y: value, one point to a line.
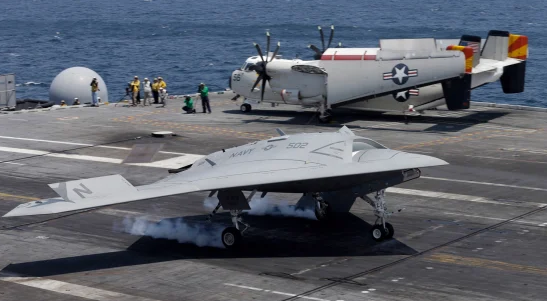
x: 296, y: 75
x: 290, y: 95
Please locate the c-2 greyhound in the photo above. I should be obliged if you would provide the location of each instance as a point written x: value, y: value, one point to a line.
x: 402, y: 75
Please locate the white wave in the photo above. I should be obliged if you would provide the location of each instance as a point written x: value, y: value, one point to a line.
x: 30, y: 84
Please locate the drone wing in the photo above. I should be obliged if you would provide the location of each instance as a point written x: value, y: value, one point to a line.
x: 262, y: 175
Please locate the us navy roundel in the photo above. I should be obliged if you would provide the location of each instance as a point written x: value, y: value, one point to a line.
x: 400, y: 74
x: 403, y: 96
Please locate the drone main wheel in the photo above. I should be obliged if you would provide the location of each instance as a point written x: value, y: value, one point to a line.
x: 231, y: 237
x: 245, y: 108
x: 323, y: 212
x: 378, y: 232
x: 389, y: 231
x: 325, y: 119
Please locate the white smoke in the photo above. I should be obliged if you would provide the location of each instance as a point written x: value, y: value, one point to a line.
x: 176, y: 229
x: 262, y: 206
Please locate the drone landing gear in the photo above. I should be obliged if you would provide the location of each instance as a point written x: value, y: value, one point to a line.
x: 381, y: 229
x: 232, y: 236
x: 322, y: 210
x: 235, y: 202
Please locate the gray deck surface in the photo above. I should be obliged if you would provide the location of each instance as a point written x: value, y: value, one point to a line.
x: 473, y: 230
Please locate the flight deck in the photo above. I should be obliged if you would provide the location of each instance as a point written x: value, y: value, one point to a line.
x: 472, y: 230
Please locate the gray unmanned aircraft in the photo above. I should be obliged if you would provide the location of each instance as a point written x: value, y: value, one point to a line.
x: 330, y: 169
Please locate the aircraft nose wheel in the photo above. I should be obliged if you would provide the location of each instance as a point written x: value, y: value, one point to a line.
x: 380, y: 233
x: 245, y: 108
x: 231, y: 237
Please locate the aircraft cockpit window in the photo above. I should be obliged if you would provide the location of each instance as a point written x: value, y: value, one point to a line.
x: 249, y: 66
x: 364, y: 144
x: 243, y: 66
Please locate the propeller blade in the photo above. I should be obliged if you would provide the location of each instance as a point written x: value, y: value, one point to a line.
x: 259, y: 51
x: 267, y: 44
x: 314, y: 48
x: 318, y: 52
x: 276, y: 50
x: 331, y: 35
x: 256, y: 82
x: 322, y: 37
x: 263, y: 88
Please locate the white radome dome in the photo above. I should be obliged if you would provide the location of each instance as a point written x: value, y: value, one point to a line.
x: 75, y: 82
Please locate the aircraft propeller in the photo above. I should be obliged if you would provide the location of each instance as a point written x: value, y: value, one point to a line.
x: 319, y: 52
x: 260, y: 67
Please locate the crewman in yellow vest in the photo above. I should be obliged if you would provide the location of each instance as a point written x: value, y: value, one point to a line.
x: 161, y: 82
x: 135, y: 88
x: 156, y: 90
x: 94, y: 89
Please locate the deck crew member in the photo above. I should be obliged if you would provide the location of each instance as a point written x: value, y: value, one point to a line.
x: 156, y: 90
x: 204, y: 94
x: 147, y: 88
x: 135, y: 88
x: 189, y: 105
x: 94, y: 90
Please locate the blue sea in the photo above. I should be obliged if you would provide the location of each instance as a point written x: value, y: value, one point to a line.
x: 188, y: 42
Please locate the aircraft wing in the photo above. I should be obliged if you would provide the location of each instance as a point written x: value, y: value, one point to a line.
x: 115, y: 189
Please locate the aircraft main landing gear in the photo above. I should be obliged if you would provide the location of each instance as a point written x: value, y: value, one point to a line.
x: 232, y: 236
x: 381, y: 229
x: 245, y: 108
x: 322, y: 210
x: 325, y: 113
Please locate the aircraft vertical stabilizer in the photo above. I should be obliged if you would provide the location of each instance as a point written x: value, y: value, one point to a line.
x: 496, y: 45
x: 475, y: 43
x: 512, y: 80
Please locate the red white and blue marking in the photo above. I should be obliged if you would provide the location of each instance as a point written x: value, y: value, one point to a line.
x: 400, y: 74
x: 476, y: 46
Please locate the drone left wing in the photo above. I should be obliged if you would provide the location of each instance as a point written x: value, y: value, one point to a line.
x: 91, y: 193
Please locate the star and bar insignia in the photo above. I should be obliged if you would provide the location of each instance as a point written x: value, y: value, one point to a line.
x: 400, y: 74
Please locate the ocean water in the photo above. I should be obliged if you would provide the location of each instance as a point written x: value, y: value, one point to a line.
x: 188, y: 42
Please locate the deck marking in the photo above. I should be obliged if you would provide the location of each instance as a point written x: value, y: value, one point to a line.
x: 484, y: 183
x: 13, y: 163
x: 23, y: 197
x: 72, y: 289
x: 80, y: 144
x: 274, y: 292
x: 525, y: 150
x: 176, y: 162
x: 458, y: 197
x: 507, y: 159
x: 133, y: 214
x: 485, y: 263
x: 493, y: 218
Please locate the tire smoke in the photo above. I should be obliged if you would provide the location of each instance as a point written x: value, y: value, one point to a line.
x: 202, y: 235
x: 262, y: 206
